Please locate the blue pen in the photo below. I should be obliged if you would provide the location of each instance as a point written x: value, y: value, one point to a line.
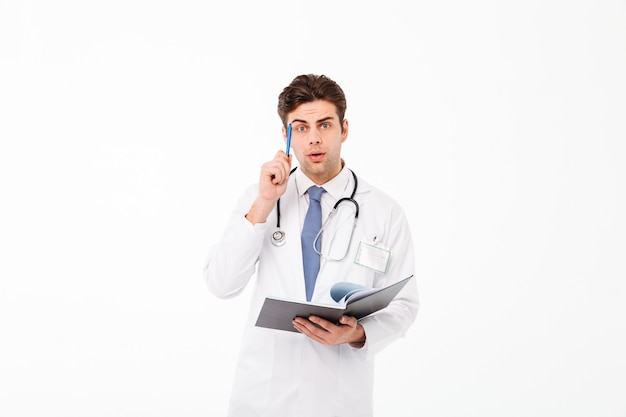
x: 288, y: 139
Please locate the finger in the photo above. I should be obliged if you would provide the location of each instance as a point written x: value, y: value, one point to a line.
x: 310, y: 325
x: 348, y: 321
x: 277, y: 177
x: 276, y: 172
x: 310, y: 329
x: 321, y: 323
x: 301, y: 326
x: 281, y: 165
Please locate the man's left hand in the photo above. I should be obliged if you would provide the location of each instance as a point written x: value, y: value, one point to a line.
x: 348, y: 330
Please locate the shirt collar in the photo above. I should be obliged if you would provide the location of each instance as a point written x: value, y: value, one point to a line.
x: 335, y: 187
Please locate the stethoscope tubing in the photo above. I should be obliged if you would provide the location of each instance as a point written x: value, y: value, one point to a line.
x: 278, y: 237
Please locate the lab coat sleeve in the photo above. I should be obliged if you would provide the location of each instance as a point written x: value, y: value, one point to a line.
x: 392, y: 323
x: 231, y: 261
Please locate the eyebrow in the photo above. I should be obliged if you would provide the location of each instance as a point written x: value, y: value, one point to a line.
x: 324, y: 119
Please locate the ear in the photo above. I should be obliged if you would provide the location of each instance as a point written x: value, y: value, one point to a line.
x: 344, y: 133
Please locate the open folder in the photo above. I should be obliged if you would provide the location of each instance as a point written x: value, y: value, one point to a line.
x: 352, y: 300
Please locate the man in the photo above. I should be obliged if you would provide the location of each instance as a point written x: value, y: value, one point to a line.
x: 323, y: 369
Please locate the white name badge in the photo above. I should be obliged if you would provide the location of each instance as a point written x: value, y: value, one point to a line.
x: 372, y: 256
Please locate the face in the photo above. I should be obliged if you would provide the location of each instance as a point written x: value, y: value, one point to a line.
x: 316, y: 139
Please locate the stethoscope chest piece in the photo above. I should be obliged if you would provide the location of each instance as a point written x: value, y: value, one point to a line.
x: 278, y: 238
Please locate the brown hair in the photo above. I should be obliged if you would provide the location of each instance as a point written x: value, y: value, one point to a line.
x: 307, y: 88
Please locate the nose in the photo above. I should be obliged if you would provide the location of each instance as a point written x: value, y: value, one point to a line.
x: 314, y: 137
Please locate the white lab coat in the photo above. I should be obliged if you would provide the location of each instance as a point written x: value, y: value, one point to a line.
x: 286, y: 374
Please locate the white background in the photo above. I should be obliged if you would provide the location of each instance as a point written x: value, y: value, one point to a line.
x: 129, y: 128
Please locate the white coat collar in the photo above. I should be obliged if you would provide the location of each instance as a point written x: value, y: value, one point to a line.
x: 335, y: 187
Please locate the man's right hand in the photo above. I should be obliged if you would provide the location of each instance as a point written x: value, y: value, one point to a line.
x: 272, y: 185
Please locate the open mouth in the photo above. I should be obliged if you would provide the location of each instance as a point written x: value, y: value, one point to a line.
x: 315, y: 156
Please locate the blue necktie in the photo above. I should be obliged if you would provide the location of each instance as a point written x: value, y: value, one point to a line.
x: 312, y: 225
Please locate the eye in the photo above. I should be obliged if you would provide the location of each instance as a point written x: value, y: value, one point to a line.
x: 301, y: 128
x: 325, y: 125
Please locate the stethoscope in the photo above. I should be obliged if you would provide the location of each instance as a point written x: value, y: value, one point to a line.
x: 278, y: 237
